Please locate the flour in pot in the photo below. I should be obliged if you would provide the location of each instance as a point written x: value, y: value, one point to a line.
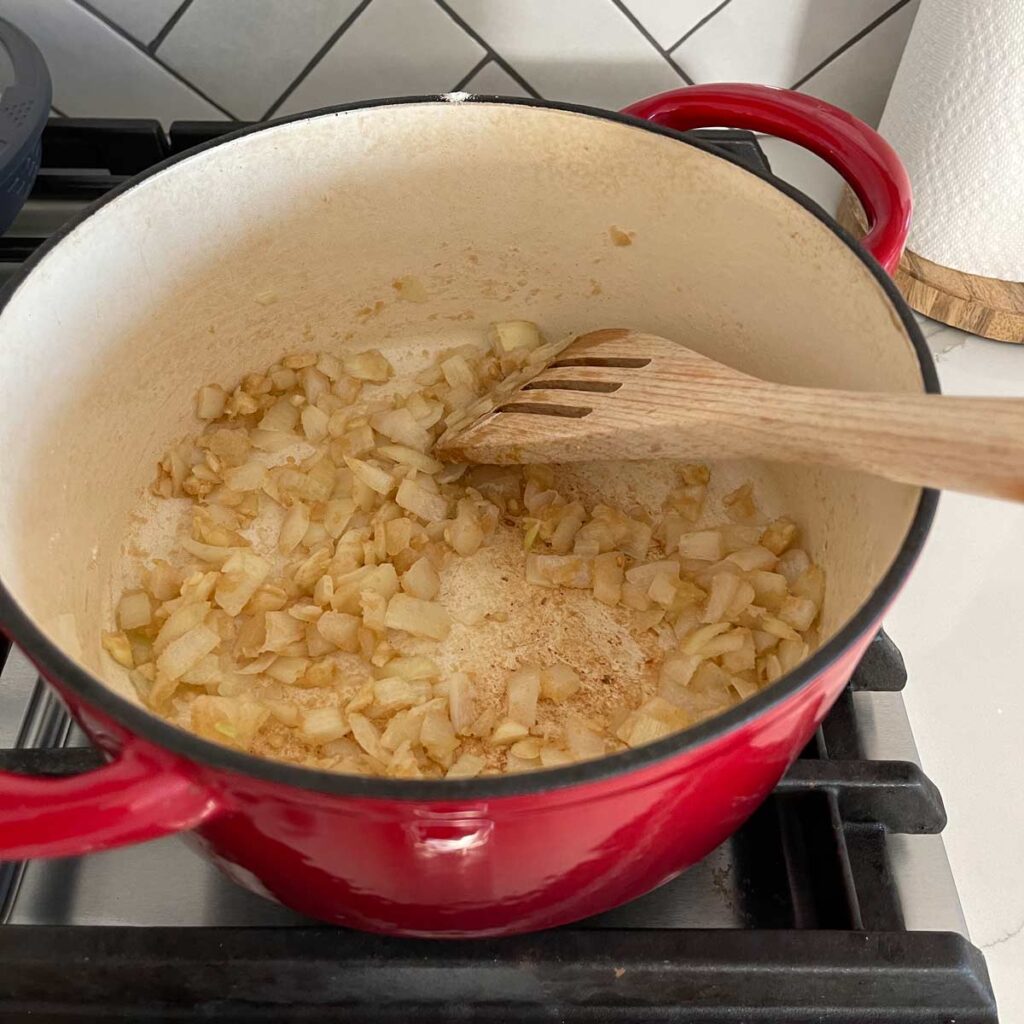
x: 307, y: 583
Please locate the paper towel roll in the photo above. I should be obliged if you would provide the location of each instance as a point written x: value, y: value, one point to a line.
x: 956, y: 117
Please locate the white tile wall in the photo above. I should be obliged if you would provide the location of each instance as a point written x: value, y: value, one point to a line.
x: 394, y: 48
x: 248, y: 59
x: 585, y: 51
x: 141, y: 18
x: 97, y: 72
x: 246, y: 63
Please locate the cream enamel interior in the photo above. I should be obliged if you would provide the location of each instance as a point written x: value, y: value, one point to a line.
x: 289, y: 238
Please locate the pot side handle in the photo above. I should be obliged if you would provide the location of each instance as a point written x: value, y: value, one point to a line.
x: 138, y: 796
x: 867, y: 162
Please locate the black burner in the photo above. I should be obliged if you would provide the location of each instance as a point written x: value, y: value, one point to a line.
x: 807, y: 922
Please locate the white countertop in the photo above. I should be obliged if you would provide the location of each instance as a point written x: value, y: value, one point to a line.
x: 958, y: 624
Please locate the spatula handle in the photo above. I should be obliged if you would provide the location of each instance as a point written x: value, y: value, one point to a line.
x: 974, y: 445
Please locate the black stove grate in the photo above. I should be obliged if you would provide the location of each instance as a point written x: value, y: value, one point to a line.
x: 820, y: 937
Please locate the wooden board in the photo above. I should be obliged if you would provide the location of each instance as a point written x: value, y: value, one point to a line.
x: 981, y: 305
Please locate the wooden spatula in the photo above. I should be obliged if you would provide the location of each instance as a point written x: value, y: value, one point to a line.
x: 620, y: 394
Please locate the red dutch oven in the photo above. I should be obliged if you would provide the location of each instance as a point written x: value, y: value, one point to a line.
x: 289, y: 235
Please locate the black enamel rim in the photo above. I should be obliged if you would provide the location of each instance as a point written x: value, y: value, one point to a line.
x: 57, y: 665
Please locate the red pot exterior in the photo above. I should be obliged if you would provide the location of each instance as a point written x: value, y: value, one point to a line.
x: 491, y: 867
x: 472, y: 866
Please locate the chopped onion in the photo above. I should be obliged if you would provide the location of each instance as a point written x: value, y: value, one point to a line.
x: 420, y: 618
x: 522, y: 690
x: 558, y: 683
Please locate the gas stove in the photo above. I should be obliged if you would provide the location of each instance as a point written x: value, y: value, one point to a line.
x: 834, y: 902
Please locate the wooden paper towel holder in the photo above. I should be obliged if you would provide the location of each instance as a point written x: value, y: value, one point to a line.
x: 981, y: 305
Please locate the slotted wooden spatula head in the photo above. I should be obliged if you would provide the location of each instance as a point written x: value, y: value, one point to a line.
x: 589, y: 403
x: 623, y: 395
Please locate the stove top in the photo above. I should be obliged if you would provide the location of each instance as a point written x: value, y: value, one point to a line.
x: 834, y: 902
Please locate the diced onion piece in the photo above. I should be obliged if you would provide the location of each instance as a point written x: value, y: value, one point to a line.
x: 522, y: 690
x: 282, y: 631
x: 181, y: 654
x: 739, y: 504
x: 418, y: 617
x: 581, y: 740
x: 393, y: 694
x: 640, y: 728
x: 572, y: 518
x: 340, y: 629
x: 635, y: 597
x: 461, y: 702
x: 373, y: 606
x: 367, y: 736
x: 675, y: 674
x: 663, y: 588
x: 406, y: 456
x: 467, y: 766
x: 438, y: 738
x: 608, y: 575
x: 756, y: 557
x: 643, y: 575
x: 179, y: 622
x: 769, y: 588
x: 724, y: 643
x: 559, y: 571
x: 212, y: 553
x: 282, y: 417
x: 433, y: 508
x: 779, y: 535
x: 421, y: 580
x: 210, y: 402
x: 554, y: 757
x: 134, y: 610
x: 790, y: 653
x: 558, y: 683
x: 250, y: 476
x: 369, y: 366
x: 810, y: 584
x: 798, y: 612
x: 322, y: 725
x: 695, y: 642
x: 401, y: 427
x: 507, y: 732
x: 233, y: 721
x: 526, y: 750
x: 162, y: 580
x: 702, y: 545
x: 119, y: 648
x: 793, y: 564
x: 513, y: 335
x: 288, y: 670
x: 314, y: 423
x: 376, y: 478
x: 465, y: 535
x: 242, y: 574
x: 293, y: 528
x: 723, y: 589
x: 778, y: 628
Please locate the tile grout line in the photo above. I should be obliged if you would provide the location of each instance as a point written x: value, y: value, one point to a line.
x: 634, y: 21
x: 471, y: 73
x: 700, y: 24
x: 168, y: 25
x: 135, y: 44
x: 489, y: 50
x: 850, y: 42
x: 317, y: 57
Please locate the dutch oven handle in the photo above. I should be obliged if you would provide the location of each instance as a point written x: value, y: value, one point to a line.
x: 142, y: 794
x: 867, y: 162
